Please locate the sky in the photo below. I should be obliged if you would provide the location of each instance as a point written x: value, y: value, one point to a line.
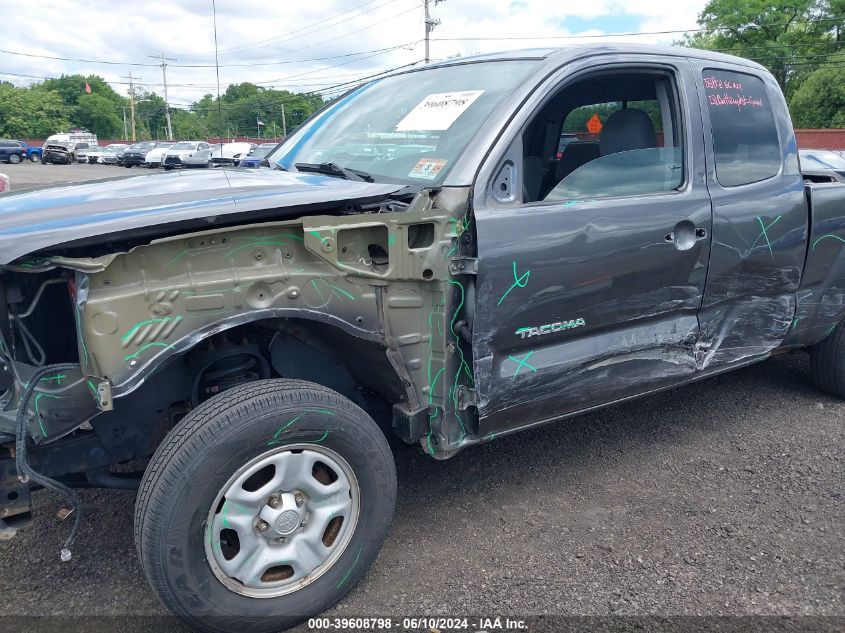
x: 315, y: 45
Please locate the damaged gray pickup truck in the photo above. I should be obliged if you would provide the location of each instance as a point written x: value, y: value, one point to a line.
x: 421, y: 260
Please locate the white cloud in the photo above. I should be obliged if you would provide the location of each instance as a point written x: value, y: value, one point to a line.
x: 129, y: 32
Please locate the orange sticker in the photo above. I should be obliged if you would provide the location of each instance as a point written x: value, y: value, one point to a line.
x: 594, y: 124
x: 428, y: 168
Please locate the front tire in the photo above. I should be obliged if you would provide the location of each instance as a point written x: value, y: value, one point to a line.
x: 34, y: 158
x: 14, y: 159
x: 827, y: 363
x: 264, y: 506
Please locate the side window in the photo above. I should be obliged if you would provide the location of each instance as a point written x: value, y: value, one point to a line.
x: 606, y: 135
x: 742, y: 125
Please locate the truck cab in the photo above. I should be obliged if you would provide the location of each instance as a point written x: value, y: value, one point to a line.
x: 418, y: 261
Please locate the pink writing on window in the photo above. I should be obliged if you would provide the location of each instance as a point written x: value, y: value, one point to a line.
x: 738, y: 100
x: 714, y: 83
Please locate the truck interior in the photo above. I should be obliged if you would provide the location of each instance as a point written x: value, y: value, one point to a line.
x: 638, y: 147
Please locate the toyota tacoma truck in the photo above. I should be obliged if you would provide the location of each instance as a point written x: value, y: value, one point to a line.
x: 418, y: 262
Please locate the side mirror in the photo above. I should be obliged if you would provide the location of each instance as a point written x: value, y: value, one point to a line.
x: 264, y: 162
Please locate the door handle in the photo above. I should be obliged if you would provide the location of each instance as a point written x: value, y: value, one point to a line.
x: 685, y: 235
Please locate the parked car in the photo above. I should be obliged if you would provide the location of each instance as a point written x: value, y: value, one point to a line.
x: 177, y: 152
x: 83, y: 153
x: 201, y: 158
x: 231, y: 153
x: 243, y: 330
x: 136, y: 153
x: 92, y: 154
x: 257, y: 158
x: 155, y: 156
x: 58, y: 154
x: 11, y: 152
x: 72, y: 137
x: 822, y: 160
x: 111, y: 154
x: 4, y: 183
x: 31, y: 153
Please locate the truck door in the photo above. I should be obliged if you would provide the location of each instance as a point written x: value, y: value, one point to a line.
x: 760, y: 215
x: 591, y: 267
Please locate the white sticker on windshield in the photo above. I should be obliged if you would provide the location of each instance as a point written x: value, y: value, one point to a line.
x: 438, y: 111
x: 428, y: 168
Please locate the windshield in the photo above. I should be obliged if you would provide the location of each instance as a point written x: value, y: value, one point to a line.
x: 822, y: 160
x: 408, y: 128
x: 261, y: 152
x: 182, y: 146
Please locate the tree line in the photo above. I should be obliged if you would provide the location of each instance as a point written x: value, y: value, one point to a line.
x: 63, y: 103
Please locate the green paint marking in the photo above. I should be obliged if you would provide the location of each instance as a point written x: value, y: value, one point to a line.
x: 141, y: 324
x: 286, y: 425
x: 453, y: 390
x: 489, y: 436
x: 57, y: 378
x: 144, y: 348
x: 93, y: 390
x: 391, y: 240
x: 316, y: 234
x: 81, y: 337
x: 433, y: 385
x: 765, y: 234
x: 317, y: 288
x: 178, y: 257
x: 325, y: 435
x: 450, y: 253
x: 522, y: 329
x: 523, y: 362
x: 836, y: 237
x: 38, y: 412
x: 832, y: 327
x: 346, y: 576
x: 794, y: 323
x: 255, y: 243
x: 335, y: 289
x: 520, y: 281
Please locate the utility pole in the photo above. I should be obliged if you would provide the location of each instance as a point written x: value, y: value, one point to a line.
x: 430, y: 23
x: 131, y: 105
x: 284, y: 123
x: 163, y: 65
x: 125, y: 133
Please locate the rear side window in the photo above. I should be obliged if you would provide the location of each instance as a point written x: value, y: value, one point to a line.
x: 745, y: 139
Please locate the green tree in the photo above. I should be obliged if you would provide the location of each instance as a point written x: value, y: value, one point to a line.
x: 99, y: 115
x: 820, y: 100
x: 31, y: 112
x: 789, y: 37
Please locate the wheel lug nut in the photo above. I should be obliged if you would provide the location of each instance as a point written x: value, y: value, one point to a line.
x: 274, y: 501
x: 300, y: 498
x: 281, y: 539
x: 262, y: 525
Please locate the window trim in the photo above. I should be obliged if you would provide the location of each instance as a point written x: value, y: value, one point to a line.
x: 708, y: 132
x: 515, y: 147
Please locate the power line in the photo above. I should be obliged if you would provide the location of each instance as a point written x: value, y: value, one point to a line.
x: 442, y: 39
x: 305, y: 30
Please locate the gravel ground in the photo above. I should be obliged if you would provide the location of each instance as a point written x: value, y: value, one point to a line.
x: 27, y: 174
x: 719, y: 498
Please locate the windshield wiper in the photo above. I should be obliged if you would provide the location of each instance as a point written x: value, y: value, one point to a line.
x: 333, y: 169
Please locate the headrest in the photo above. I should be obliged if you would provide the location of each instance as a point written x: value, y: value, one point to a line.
x: 626, y: 130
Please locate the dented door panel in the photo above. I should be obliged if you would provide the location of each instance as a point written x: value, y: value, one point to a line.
x: 583, y: 302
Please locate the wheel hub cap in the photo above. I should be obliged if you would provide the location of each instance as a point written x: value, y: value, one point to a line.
x: 282, y: 520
